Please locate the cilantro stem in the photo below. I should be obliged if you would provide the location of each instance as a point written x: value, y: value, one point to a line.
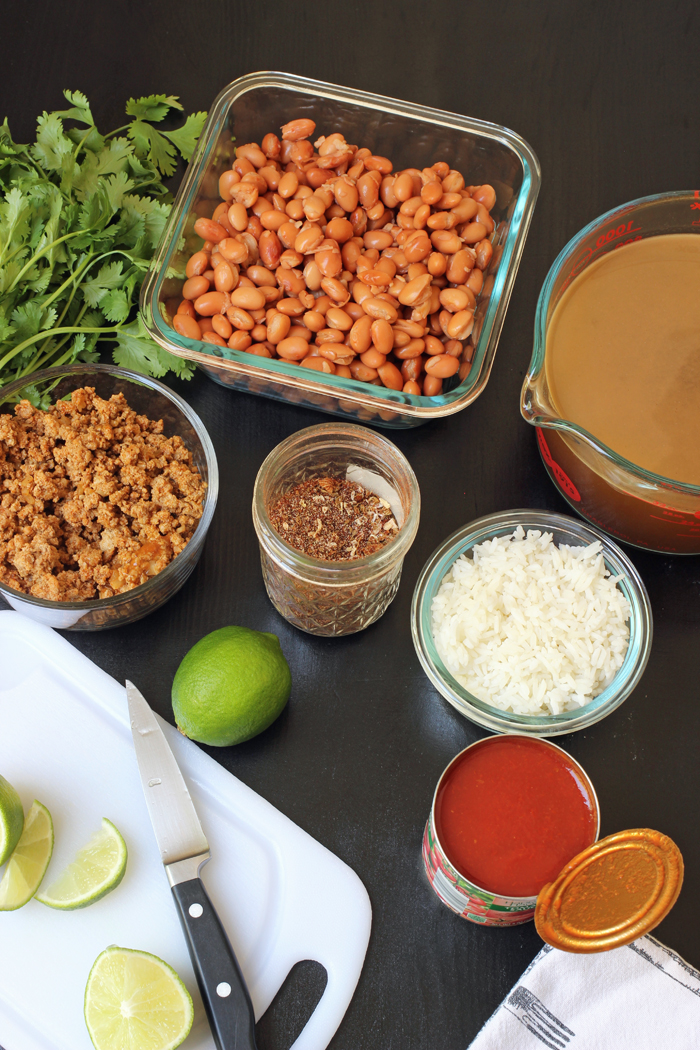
x: 64, y: 359
x: 43, y: 251
x: 124, y: 127
x: 63, y: 313
x: 53, y: 332
x: 71, y: 278
x: 43, y: 357
x: 87, y: 134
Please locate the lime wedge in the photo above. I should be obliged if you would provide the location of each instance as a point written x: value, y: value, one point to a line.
x: 11, y: 819
x: 30, y: 859
x: 97, y: 869
x: 135, y: 1000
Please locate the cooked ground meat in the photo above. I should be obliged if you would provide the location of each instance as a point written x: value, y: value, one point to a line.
x: 93, y: 498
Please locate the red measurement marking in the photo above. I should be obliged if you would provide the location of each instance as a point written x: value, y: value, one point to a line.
x: 603, y: 241
x: 696, y: 207
x: 544, y: 448
x: 616, y: 232
x: 686, y: 524
x: 563, y: 480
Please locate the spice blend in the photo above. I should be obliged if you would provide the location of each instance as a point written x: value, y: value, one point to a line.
x: 333, y: 519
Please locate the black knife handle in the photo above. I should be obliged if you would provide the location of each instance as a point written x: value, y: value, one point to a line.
x: 221, y: 983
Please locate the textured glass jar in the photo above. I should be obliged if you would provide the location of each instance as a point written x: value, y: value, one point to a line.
x: 331, y: 598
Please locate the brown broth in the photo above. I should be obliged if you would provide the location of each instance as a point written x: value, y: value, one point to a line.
x: 623, y: 354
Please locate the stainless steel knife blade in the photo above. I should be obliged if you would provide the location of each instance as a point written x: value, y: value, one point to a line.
x: 175, y: 822
x: 183, y: 850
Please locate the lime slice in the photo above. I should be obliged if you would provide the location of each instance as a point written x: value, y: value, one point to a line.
x: 11, y: 819
x: 97, y: 869
x: 135, y: 1000
x: 30, y: 859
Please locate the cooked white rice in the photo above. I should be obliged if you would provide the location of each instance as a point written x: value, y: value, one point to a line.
x: 531, y: 627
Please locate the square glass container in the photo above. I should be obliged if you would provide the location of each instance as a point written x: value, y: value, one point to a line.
x: 410, y: 135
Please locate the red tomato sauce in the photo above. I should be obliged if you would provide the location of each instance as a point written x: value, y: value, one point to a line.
x: 511, y: 812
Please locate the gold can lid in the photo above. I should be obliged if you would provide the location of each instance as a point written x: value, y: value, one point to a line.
x: 616, y: 890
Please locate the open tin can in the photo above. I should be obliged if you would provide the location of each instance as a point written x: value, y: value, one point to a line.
x: 483, y: 904
x: 607, y: 893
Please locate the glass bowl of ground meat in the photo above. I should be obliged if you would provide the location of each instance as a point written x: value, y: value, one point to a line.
x: 335, y: 508
x: 108, y: 484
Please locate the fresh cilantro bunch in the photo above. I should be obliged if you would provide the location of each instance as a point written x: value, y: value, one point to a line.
x: 80, y: 216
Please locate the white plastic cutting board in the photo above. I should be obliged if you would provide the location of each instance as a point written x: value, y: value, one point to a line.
x: 65, y: 740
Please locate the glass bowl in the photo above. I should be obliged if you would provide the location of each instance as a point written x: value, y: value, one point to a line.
x: 332, y: 598
x: 565, y: 530
x: 409, y: 134
x: 153, y: 399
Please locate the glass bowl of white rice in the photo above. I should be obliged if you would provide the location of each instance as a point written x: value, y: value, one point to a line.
x: 532, y: 622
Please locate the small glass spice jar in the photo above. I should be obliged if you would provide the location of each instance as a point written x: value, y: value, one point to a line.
x: 331, y: 598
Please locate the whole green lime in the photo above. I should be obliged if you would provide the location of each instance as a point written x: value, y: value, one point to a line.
x: 230, y: 686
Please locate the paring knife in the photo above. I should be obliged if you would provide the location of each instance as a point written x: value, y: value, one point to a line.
x: 184, y: 849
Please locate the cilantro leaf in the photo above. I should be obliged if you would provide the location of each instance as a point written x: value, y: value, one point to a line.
x: 115, y: 305
x: 138, y: 351
x: 80, y: 109
x: 8, y: 148
x: 7, y: 331
x: 39, y: 278
x: 30, y: 318
x: 114, y: 158
x: 116, y: 186
x: 152, y: 107
x: 15, y: 213
x: 96, y: 211
x: 39, y: 398
x: 52, y: 145
x: 11, y: 271
x: 151, y: 144
x: 108, y: 277
x: 185, y: 138
x: 154, y: 215
x: 78, y: 344
x: 90, y: 140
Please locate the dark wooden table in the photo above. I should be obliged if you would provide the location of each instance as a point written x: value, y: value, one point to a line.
x: 608, y: 95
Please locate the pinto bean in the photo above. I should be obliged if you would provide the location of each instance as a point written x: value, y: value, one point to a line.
x: 442, y: 366
x: 210, y: 303
x: 432, y: 386
x: 187, y: 326
x: 390, y: 376
x: 301, y: 128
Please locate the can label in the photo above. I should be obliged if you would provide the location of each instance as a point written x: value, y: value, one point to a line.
x: 463, y: 897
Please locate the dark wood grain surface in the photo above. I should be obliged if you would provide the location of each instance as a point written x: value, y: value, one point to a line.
x: 608, y: 95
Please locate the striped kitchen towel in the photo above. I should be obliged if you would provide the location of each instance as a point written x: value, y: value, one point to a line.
x: 632, y: 998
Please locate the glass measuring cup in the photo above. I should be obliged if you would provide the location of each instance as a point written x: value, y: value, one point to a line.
x: 623, y: 499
